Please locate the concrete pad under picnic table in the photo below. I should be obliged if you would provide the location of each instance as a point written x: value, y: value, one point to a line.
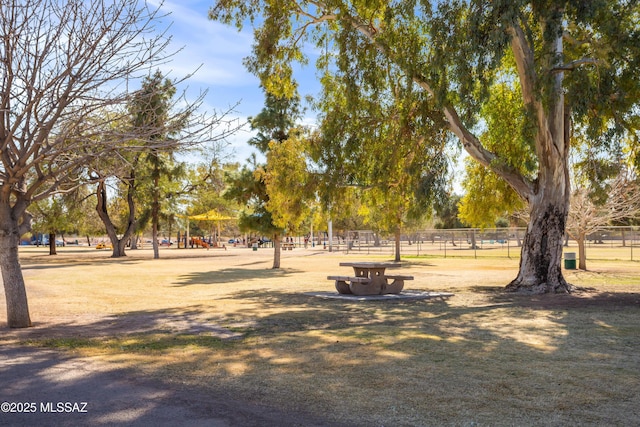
x: 404, y: 295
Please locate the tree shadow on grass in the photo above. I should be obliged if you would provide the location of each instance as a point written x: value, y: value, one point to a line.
x: 65, y: 264
x: 415, y: 261
x: 296, y: 311
x: 581, y: 298
x: 288, y: 312
x: 601, y: 300
x: 193, y: 320
x: 230, y: 275
x: 48, y: 388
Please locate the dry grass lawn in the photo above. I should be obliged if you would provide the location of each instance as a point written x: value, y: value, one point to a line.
x: 224, y: 321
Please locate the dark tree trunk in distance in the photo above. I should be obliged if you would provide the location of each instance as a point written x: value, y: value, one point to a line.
x: 52, y: 244
x: 119, y: 245
x: 397, y: 240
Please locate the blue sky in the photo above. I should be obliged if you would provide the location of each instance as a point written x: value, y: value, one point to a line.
x: 216, y: 51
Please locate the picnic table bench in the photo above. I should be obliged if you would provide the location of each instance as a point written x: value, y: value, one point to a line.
x: 369, y: 279
x: 343, y: 282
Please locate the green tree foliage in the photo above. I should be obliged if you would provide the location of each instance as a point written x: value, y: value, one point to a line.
x: 87, y: 222
x: 287, y: 182
x: 52, y: 216
x: 574, y: 62
x: 160, y: 173
x: 448, y: 215
x: 71, y: 212
x: 250, y: 192
x: 386, y: 140
x: 207, y: 185
x: 274, y: 125
x: 487, y: 197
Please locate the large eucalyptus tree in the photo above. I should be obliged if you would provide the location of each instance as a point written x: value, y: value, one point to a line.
x: 574, y: 62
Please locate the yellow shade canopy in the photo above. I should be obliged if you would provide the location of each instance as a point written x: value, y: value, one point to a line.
x: 212, y: 215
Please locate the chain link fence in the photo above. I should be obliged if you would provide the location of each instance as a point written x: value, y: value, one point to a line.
x: 614, y: 243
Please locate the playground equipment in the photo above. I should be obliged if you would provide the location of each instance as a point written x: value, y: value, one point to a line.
x: 196, y: 241
x: 212, y: 215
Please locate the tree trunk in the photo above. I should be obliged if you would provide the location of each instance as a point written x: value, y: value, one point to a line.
x: 14, y: 289
x: 582, y: 251
x: 52, y: 244
x: 397, y: 239
x: 154, y: 234
x: 119, y: 245
x: 276, y: 250
x: 474, y: 244
x: 548, y: 196
x: 541, y: 257
x: 155, y: 212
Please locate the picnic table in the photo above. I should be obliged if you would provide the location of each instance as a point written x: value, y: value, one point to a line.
x: 370, y: 279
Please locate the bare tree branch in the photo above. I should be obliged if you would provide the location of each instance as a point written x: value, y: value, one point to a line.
x: 587, y: 217
x: 67, y: 71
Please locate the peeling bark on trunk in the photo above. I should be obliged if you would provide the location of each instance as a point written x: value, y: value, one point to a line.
x: 14, y: 287
x: 541, y: 258
x: 548, y: 196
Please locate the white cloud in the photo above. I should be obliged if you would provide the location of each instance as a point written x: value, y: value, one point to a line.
x: 215, y: 50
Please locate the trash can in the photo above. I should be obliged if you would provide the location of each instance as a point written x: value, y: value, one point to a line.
x: 570, y: 260
x: 255, y: 248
